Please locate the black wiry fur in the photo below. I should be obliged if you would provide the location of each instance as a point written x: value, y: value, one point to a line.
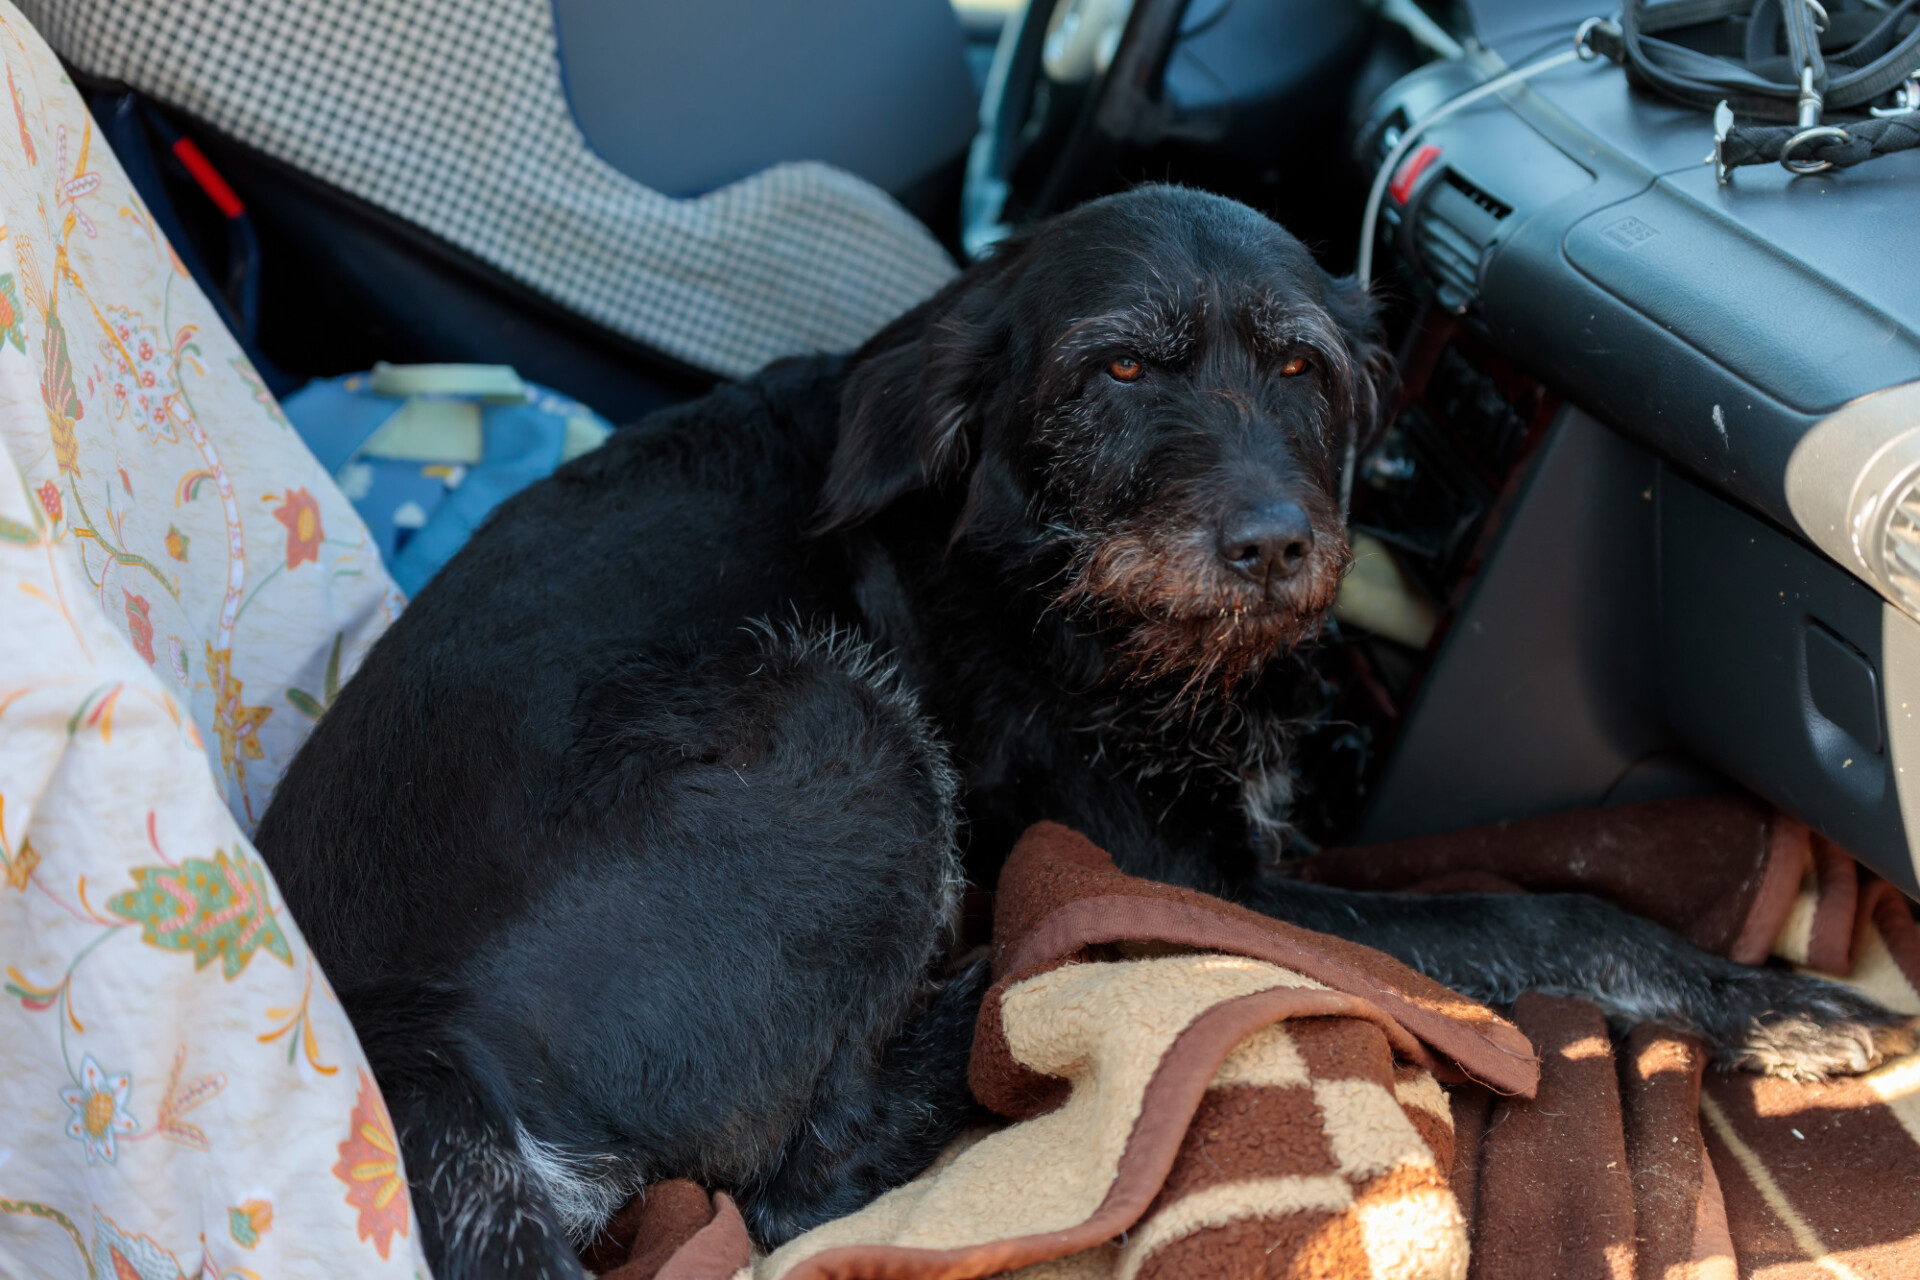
x: 618, y: 886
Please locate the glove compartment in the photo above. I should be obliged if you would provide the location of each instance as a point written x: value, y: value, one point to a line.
x: 1787, y: 673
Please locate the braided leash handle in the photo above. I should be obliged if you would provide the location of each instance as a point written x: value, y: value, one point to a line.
x: 1841, y: 148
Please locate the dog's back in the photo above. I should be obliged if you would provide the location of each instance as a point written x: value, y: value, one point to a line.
x: 664, y: 540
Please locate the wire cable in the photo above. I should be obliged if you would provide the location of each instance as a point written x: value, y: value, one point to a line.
x: 1413, y: 20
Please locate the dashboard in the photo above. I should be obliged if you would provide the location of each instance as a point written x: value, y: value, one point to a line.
x: 1705, y: 565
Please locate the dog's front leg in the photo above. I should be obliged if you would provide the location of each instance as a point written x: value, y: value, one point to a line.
x: 1496, y: 946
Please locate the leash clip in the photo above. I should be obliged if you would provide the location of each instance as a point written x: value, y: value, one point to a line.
x: 1722, y: 125
x: 1598, y: 38
x: 1811, y: 102
x: 1906, y: 97
x: 1810, y: 135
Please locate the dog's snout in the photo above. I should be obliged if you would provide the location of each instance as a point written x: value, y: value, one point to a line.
x: 1267, y: 543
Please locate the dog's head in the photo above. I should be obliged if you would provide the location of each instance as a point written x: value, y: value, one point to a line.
x: 1155, y: 399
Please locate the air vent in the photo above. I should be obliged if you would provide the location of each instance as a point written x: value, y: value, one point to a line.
x: 1452, y: 228
x: 1900, y: 546
x: 1475, y: 194
x: 1853, y: 484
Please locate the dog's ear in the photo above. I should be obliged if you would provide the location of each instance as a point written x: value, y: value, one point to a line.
x: 1374, y: 374
x: 912, y: 394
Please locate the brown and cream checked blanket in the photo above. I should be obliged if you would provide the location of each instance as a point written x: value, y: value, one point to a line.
x: 1190, y: 1089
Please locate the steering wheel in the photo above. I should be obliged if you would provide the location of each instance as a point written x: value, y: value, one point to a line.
x: 1072, y: 81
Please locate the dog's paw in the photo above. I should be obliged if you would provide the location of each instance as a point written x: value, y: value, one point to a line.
x: 1802, y: 1028
x: 1798, y: 1047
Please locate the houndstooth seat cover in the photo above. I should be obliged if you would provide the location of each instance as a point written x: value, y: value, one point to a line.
x: 451, y: 114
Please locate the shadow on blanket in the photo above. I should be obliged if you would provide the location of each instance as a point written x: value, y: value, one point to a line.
x: 1199, y: 1091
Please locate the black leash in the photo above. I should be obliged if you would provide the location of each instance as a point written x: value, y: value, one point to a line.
x: 1855, y: 58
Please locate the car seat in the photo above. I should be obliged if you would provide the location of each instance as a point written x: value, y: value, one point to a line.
x: 621, y: 200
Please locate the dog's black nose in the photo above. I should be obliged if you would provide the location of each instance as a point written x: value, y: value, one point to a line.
x: 1268, y: 543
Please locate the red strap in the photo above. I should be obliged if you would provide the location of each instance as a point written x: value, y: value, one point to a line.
x: 209, y: 178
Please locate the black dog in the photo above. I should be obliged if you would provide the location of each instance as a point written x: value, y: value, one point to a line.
x: 619, y: 883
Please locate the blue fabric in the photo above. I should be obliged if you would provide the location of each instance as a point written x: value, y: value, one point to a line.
x: 520, y: 443
x: 335, y: 419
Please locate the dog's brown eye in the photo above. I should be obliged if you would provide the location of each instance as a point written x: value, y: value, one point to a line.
x: 1294, y: 367
x: 1126, y: 369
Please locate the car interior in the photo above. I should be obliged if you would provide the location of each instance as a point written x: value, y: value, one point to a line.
x: 1609, y: 484
x: 1644, y: 521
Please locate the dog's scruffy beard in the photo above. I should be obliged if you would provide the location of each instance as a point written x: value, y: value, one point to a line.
x: 1179, y: 615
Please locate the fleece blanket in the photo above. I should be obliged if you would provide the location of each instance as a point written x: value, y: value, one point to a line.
x: 1636, y: 1160
x: 1194, y: 1090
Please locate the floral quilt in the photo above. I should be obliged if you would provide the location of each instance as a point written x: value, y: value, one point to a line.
x: 182, y: 590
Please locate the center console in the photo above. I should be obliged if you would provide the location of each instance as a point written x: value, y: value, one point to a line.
x: 1672, y: 516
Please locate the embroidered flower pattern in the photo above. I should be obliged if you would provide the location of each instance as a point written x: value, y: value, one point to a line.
x: 20, y: 870
x: 50, y: 500
x: 20, y: 118
x: 123, y: 1255
x: 301, y: 514
x: 60, y: 395
x: 83, y: 183
x: 141, y: 385
x: 11, y: 330
x: 139, y: 624
x: 248, y: 1221
x: 216, y: 910
x: 308, y: 705
x: 183, y: 1096
x: 177, y: 543
x: 99, y: 1110
x: 370, y: 1166
x: 237, y: 724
